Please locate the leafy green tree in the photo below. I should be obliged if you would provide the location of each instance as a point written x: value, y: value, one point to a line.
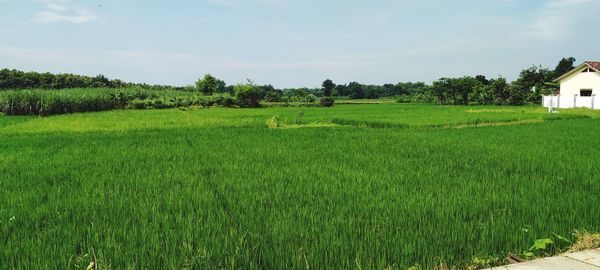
x: 248, y: 95
x: 327, y: 102
x: 209, y: 85
x: 98, y: 81
x: 340, y: 90
x: 527, y: 88
x: 328, y: 87
x: 310, y: 98
x: 564, y: 65
x: 500, y: 88
x: 441, y: 91
x: 356, y: 90
x: 411, y: 88
x: 482, y: 94
x: 373, y: 91
x: 482, y: 79
x: 518, y: 94
x: 15, y: 79
x: 390, y: 90
x: 455, y: 91
x: 274, y: 96
x: 230, y: 90
x: 267, y: 90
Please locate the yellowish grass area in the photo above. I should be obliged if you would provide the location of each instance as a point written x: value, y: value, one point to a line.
x: 309, y: 125
x: 508, y: 123
x: 585, y: 241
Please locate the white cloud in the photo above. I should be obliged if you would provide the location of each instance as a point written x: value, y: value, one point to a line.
x: 62, y: 11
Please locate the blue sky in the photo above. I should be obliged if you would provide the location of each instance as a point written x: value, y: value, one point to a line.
x: 294, y: 43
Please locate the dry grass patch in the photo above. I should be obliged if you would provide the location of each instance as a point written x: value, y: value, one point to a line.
x: 585, y: 241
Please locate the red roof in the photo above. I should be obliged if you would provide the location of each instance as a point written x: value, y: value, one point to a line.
x: 595, y: 65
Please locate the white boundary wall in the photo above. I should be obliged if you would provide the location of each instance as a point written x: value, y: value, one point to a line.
x: 566, y: 102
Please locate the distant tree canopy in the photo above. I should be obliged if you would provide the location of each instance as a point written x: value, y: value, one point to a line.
x: 528, y: 88
x: 531, y: 84
x: 564, y: 65
x: 328, y: 86
x: 356, y: 90
x: 455, y: 91
x: 249, y: 94
x: 15, y: 79
x: 209, y: 85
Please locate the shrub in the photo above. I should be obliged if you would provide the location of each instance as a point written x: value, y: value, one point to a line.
x: 273, y: 96
x: 248, y: 95
x: 139, y: 104
x: 299, y: 118
x: 310, y: 98
x: 120, y: 99
x: 163, y: 103
x: 415, y: 98
x: 223, y: 100
x: 274, y: 122
x: 327, y: 102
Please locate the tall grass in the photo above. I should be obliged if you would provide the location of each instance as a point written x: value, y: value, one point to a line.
x: 217, y: 189
x: 51, y: 102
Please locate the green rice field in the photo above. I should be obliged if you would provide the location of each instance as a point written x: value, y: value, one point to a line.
x: 356, y: 186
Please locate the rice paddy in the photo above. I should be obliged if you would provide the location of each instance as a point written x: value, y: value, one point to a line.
x: 375, y: 186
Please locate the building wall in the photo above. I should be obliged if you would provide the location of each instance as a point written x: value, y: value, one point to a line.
x: 572, y: 84
x: 566, y: 102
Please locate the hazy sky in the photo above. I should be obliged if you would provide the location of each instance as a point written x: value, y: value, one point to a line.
x: 294, y: 43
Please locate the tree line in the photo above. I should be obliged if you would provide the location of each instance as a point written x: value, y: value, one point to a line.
x: 16, y: 79
x: 528, y: 88
x: 531, y: 84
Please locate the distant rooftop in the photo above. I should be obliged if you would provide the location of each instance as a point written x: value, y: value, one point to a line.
x: 594, y: 64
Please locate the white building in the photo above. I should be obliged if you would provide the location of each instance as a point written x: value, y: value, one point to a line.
x: 579, y: 87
